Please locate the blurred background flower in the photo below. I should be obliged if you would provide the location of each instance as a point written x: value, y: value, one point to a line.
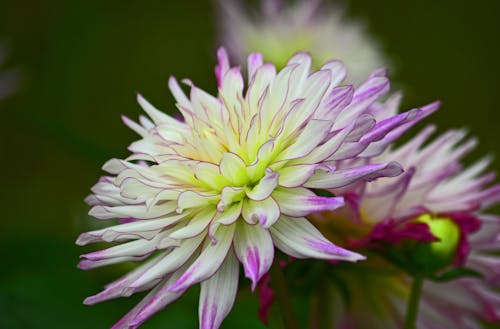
x: 398, y: 220
x: 84, y: 61
x: 280, y: 28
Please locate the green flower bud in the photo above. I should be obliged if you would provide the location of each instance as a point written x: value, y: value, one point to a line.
x: 434, y: 256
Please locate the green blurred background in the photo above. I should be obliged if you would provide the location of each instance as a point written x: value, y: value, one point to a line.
x: 82, y: 63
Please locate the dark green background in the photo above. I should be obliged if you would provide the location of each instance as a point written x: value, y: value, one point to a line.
x: 83, y: 61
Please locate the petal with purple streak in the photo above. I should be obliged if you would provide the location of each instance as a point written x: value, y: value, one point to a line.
x: 255, y: 250
x: 218, y: 294
x: 299, y: 202
x: 209, y: 261
x: 300, y: 239
x: 265, y: 212
x: 343, y: 177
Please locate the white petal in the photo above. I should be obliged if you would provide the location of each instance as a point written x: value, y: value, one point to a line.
x: 343, y: 177
x: 209, y: 176
x: 299, y: 202
x: 314, y: 91
x: 313, y: 134
x: 154, y: 302
x: 264, y: 187
x: 296, y: 175
x: 117, y: 288
x: 191, y: 199
x: 196, y: 225
x: 157, y: 116
x: 255, y: 250
x: 145, y: 229
x: 264, y: 212
x: 300, y: 239
x: 209, y: 261
x: 229, y: 195
x: 179, y: 95
x: 233, y: 168
x: 218, y: 294
x: 170, y: 262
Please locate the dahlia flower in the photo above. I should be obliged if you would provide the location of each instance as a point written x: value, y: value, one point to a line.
x: 435, y: 198
x: 279, y: 30
x: 232, y: 180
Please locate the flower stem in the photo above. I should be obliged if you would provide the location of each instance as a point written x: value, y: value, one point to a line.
x: 278, y: 282
x: 321, y: 307
x: 413, y: 302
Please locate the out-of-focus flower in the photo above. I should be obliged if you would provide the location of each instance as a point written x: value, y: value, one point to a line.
x: 435, y: 198
x: 280, y: 30
x: 233, y: 180
x: 9, y: 79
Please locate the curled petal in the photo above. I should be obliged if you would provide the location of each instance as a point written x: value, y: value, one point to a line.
x: 265, y: 212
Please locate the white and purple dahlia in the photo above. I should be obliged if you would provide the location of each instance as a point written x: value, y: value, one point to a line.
x: 279, y: 29
x: 233, y: 179
x: 436, y: 197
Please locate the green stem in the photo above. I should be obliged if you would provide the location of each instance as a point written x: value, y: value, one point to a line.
x: 278, y: 282
x: 321, y: 307
x: 413, y: 302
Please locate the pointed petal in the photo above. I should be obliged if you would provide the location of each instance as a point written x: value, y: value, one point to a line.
x: 265, y: 186
x: 313, y: 134
x: 146, y: 229
x: 196, y: 225
x: 157, y: 116
x: 299, y: 202
x: 223, y: 65
x: 191, y: 199
x: 254, y: 61
x: 179, y: 95
x: 171, y: 262
x: 299, y: 238
x: 343, y: 177
x: 209, y: 261
x: 218, y: 294
x: 154, y: 302
x: 296, y: 175
x: 255, y: 250
x: 118, y: 287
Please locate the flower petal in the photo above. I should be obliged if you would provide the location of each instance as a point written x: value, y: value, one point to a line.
x: 155, y: 301
x: 255, y: 250
x: 296, y: 175
x: 264, y: 212
x: 313, y: 134
x: 209, y: 261
x: 145, y: 229
x: 191, y: 199
x: 299, y: 202
x: 300, y: 239
x: 196, y: 225
x: 264, y: 187
x: 218, y: 294
x: 233, y: 168
x: 171, y: 262
x: 343, y: 177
